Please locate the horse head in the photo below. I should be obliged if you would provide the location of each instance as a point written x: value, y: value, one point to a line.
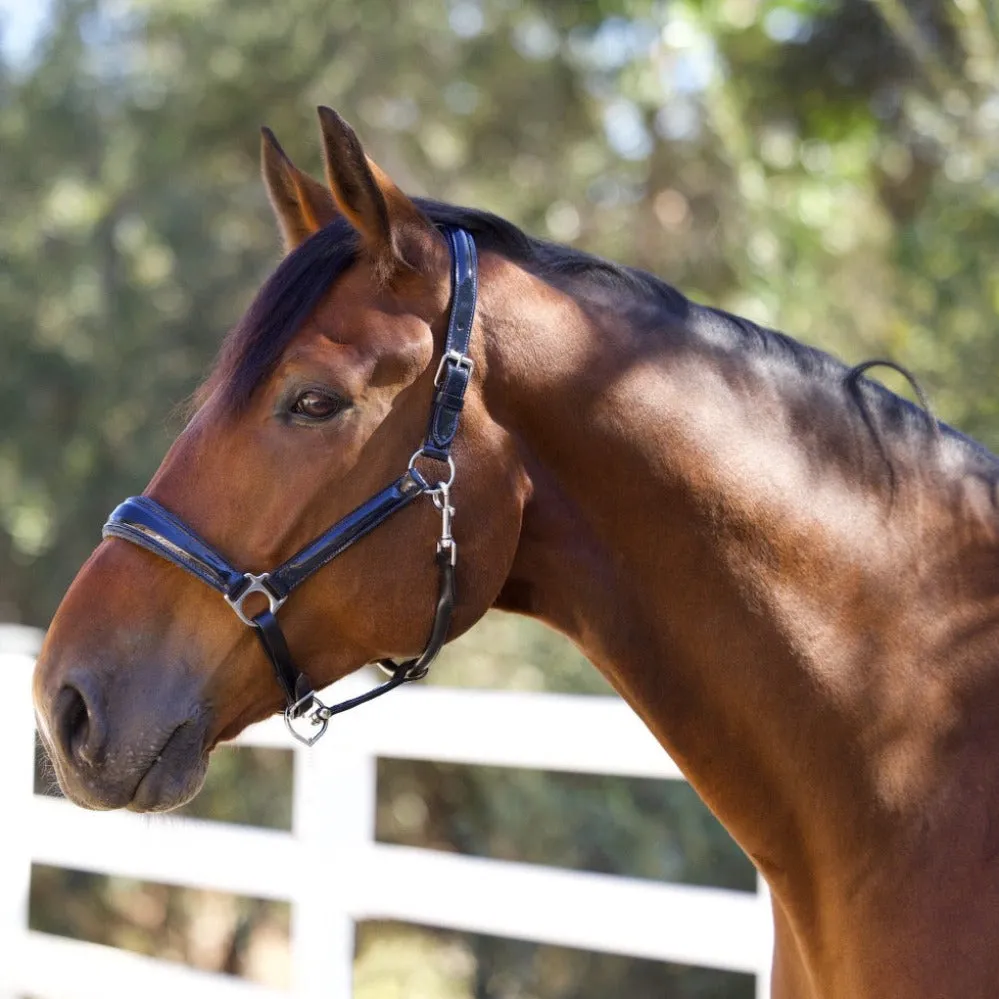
x: 319, y: 401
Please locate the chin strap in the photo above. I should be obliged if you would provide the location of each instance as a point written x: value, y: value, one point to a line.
x: 309, y: 708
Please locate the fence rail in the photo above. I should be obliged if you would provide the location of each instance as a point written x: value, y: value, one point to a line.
x: 332, y: 837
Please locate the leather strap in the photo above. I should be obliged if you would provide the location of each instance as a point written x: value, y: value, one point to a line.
x: 344, y: 533
x: 418, y: 668
x: 455, y: 372
x: 295, y: 685
x: 145, y: 523
x: 412, y: 669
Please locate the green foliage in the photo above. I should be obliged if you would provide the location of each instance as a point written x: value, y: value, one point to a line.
x: 828, y: 168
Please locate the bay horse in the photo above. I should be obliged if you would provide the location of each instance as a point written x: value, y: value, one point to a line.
x: 790, y: 573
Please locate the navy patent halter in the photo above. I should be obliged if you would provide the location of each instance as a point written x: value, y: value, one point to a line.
x: 146, y: 523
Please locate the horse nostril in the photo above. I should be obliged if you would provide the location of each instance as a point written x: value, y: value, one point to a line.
x: 78, y: 724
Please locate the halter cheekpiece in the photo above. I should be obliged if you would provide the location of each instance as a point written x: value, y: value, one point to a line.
x: 146, y: 523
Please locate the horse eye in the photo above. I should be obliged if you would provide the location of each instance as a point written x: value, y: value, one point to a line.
x: 315, y: 405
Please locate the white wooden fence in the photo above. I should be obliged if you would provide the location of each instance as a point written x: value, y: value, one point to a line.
x: 329, y: 867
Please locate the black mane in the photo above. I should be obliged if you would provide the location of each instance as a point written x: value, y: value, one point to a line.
x: 254, y: 346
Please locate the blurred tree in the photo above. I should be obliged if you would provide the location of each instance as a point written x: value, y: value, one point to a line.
x: 829, y: 168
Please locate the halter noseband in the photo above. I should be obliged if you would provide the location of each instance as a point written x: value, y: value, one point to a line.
x: 146, y: 523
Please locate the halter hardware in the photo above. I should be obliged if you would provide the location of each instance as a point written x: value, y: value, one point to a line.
x: 144, y: 522
x: 421, y: 479
x: 446, y: 545
x: 258, y: 584
x: 455, y: 357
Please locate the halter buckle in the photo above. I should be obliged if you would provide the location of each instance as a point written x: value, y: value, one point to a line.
x: 458, y: 359
x: 318, y: 715
x: 257, y: 585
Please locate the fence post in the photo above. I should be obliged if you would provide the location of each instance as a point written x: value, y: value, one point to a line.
x: 763, y: 975
x: 17, y: 768
x: 334, y: 823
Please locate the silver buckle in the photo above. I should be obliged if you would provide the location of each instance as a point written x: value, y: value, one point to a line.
x: 257, y: 585
x: 459, y: 359
x: 317, y: 715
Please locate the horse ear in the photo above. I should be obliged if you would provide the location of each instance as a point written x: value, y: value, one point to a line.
x: 302, y: 205
x: 394, y: 232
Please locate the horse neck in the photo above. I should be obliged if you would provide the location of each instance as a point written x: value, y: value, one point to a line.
x: 733, y: 555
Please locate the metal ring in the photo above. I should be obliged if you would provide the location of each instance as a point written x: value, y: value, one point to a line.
x: 422, y: 480
x: 258, y: 584
x: 318, y: 716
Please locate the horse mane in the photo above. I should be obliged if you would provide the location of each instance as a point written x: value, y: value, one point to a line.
x: 254, y: 346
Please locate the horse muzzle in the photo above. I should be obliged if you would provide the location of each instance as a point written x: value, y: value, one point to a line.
x: 108, y: 751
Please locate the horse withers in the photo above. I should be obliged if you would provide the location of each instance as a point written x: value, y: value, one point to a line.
x: 790, y: 573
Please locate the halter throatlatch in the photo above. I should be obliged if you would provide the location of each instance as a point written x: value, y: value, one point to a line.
x: 146, y: 523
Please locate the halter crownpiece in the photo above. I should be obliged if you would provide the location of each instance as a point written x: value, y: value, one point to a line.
x: 146, y: 523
